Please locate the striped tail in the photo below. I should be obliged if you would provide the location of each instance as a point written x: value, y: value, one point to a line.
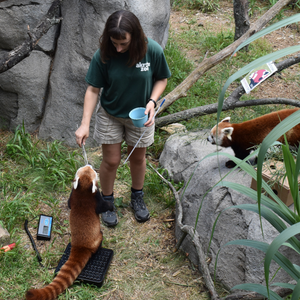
x: 66, y: 276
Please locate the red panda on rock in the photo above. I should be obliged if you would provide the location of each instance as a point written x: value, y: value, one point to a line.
x: 244, y: 136
x: 86, y: 204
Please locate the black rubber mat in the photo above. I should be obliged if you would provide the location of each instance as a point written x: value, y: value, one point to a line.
x: 95, y: 270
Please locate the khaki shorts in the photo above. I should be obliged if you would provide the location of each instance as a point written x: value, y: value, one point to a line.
x: 112, y: 130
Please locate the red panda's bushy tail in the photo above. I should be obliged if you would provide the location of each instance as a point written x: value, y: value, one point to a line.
x: 65, y: 277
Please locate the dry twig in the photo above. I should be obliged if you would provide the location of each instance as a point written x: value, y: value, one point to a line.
x: 196, y: 240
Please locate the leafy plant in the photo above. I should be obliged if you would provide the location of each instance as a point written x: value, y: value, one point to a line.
x: 51, y: 166
x: 275, y: 211
x: 157, y: 189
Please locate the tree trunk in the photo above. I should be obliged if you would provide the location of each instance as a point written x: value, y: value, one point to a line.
x: 241, y: 17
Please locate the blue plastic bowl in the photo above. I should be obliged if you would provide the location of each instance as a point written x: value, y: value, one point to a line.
x: 138, y: 116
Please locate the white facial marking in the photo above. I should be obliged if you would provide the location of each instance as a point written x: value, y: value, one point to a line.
x: 227, y: 132
x: 75, y: 183
x: 76, y: 180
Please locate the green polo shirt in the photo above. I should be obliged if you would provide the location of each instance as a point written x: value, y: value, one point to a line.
x: 124, y: 87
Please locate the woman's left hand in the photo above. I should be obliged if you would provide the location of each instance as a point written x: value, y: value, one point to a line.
x: 151, y: 111
x: 158, y: 88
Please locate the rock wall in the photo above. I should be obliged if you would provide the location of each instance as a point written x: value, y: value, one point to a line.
x: 183, y: 157
x: 46, y: 90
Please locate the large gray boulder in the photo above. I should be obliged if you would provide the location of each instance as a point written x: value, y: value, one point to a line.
x: 186, y: 158
x: 23, y: 92
x: 56, y: 101
x: 17, y: 16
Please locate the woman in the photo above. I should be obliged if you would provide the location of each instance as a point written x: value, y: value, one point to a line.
x: 133, y: 72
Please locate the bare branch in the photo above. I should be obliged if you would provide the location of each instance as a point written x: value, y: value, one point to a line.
x: 239, y: 91
x: 232, y: 101
x: 13, y: 57
x: 212, y: 108
x: 181, y: 90
x: 195, y: 238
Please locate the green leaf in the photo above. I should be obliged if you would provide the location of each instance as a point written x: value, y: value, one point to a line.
x: 296, y: 292
x: 296, y: 187
x: 284, y: 285
x: 258, y: 288
x: 274, y: 246
x: 279, y: 258
x: 277, y: 132
x: 279, y: 208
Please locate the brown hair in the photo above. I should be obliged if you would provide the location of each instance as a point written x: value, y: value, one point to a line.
x: 116, y: 26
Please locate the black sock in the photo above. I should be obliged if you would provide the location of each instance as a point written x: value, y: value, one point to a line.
x: 134, y: 190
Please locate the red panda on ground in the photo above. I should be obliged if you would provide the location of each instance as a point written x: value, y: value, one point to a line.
x: 86, y: 204
x: 244, y: 136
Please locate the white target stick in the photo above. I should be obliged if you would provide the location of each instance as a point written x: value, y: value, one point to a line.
x: 143, y: 132
x: 84, y: 154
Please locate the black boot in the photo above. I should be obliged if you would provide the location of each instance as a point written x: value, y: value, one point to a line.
x: 109, y: 218
x: 141, y: 212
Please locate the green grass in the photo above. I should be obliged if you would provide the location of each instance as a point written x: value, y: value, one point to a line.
x: 179, y: 65
x: 202, y: 5
x: 36, y: 178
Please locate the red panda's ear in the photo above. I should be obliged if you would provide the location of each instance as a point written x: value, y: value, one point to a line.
x: 95, y: 177
x: 94, y: 188
x: 228, y: 132
x: 227, y: 119
x: 75, y: 183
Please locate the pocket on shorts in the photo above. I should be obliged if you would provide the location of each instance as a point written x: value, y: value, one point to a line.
x: 96, y: 134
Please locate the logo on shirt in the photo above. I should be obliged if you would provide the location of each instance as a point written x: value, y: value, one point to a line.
x: 144, y: 67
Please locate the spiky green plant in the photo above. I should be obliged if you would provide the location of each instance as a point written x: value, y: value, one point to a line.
x: 285, y: 221
x: 51, y: 166
x: 275, y: 211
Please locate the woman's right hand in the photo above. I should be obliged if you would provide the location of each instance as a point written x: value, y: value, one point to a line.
x: 82, y: 133
x: 90, y: 100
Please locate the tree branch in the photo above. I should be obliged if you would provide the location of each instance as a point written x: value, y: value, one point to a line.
x: 212, y: 108
x: 232, y: 101
x: 13, y: 57
x: 239, y: 91
x: 196, y: 241
x: 181, y: 90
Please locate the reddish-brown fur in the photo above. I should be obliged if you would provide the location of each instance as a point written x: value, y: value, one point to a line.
x: 248, y: 134
x: 85, y: 232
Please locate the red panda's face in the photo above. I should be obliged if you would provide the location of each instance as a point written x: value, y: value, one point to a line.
x: 87, y: 176
x: 221, y: 133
